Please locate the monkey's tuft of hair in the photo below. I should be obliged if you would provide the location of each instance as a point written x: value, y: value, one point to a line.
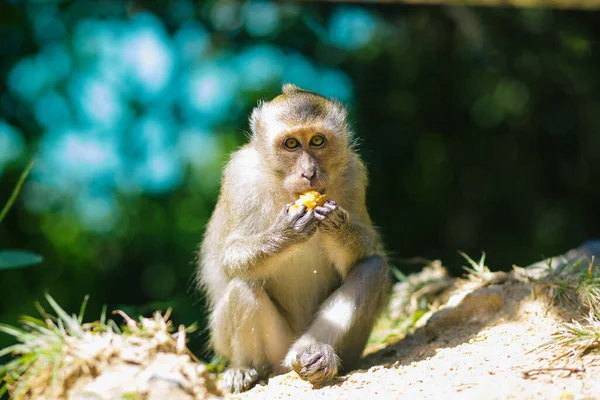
x: 289, y: 88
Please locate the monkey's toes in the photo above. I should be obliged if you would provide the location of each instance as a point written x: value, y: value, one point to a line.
x: 317, y: 363
x: 238, y: 380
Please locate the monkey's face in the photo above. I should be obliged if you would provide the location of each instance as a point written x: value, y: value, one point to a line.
x: 304, y: 139
x: 303, y: 157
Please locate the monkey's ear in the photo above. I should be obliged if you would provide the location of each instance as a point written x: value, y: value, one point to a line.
x: 289, y: 88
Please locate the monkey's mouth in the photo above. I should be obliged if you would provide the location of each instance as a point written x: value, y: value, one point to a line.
x: 299, y: 187
x: 303, y: 191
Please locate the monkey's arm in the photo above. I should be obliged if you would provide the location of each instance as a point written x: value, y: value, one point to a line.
x: 347, y: 240
x: 251, y: 256
x: 247, y: 229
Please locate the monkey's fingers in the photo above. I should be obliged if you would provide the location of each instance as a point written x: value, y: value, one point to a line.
x: 295, y: 214
x: 324, y: 211
x: 238, y: 380
x: 307, y: 223
x: 319, y: 367
x: 308, y: 359
x: 285, y: 208
x: 319, y: 216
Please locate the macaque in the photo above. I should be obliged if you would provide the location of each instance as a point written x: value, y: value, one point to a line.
x: 297, y: 290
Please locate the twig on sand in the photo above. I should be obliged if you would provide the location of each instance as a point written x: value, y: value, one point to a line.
x: 538, y: 371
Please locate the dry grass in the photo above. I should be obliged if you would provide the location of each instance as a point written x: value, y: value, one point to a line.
x: 54, y: 352
x: 576, y: 339
x: 477, y: 271
x: 413, y: 297
x: 576, y: 284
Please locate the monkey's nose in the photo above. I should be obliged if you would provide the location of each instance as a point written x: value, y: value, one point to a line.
x: 308, y: 175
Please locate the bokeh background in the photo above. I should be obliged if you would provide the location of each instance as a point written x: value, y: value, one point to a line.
x: 480, y: 128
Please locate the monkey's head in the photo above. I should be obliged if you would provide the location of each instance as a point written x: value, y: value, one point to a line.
x: 303, y: 137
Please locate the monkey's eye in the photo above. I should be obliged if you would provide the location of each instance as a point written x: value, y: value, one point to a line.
x: 291, y: 143
x: 317, y: 141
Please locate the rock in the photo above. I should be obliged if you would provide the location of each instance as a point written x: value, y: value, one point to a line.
x: 476, y: 306
x: 555, y: 265
x: 164, y: 376
x: 429, y: 284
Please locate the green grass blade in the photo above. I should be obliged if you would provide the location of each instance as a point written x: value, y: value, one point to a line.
x: 16, y: 190
x: 33, y: 320
x: 399, y: 275
x: 35, y: 327
x: 82, y: 309
x: 11, y: 349
x: 12, y: 331
x: 72, y: 324
x: 103, y: 316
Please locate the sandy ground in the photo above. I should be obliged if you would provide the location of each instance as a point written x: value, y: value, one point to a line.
x: 485, y: 340
x: 498, y: 358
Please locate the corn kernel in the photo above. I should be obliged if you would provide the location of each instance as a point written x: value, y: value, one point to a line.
x: 310, y: 199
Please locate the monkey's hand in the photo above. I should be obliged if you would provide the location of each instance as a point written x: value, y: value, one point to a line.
x: 332, y: 217
x: 315, y: 362
x: 296, y: 227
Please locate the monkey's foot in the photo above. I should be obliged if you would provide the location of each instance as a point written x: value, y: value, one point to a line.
x: 314, y: 362
x: 238, y: 380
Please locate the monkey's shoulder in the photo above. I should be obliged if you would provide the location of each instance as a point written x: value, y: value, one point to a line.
x: 244, y: 170
x: 246, y: 190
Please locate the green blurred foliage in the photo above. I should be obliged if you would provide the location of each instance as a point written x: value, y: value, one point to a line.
x: 480, y: 128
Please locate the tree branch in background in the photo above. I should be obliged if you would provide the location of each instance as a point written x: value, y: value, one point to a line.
x: 572, y: 4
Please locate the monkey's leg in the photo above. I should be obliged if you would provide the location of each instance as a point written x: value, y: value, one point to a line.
x: 343, y: 324
x: 248, y: 330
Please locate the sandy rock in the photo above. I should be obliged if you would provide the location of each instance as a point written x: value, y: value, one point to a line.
x: 165, y: 376
x: 556, y: 264
x: 473, y: 307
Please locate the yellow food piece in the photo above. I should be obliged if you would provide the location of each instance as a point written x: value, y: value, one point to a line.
x: 310, y: 199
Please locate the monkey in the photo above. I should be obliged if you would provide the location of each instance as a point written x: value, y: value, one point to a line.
x: 292, y: 290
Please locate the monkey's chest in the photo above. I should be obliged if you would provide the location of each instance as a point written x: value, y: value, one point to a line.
x: 302, y: 282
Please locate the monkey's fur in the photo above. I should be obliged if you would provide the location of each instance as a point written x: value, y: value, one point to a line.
x: 296, y: 291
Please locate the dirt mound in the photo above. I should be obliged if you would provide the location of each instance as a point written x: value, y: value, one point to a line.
x: 60, y: 357
x: 489, y: 335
